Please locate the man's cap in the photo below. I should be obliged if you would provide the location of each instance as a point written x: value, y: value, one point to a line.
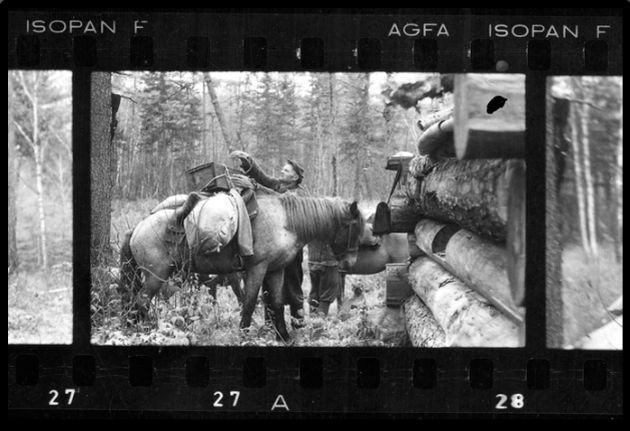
x: 298, y: 169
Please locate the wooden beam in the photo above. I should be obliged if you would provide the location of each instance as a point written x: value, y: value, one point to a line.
x: 422, y: 328
x: 480, y: 264
x: 482, y: 135
x: 468, y: 320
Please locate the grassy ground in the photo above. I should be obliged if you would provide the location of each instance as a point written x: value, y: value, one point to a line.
x: 40, y: 300
x: 589, y: 286
x: 40, y: 306
x: 193, y: 317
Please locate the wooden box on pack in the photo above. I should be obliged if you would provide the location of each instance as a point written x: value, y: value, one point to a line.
x: 397, y: 287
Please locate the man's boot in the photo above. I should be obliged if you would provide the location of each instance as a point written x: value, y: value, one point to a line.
x: 323, y: 307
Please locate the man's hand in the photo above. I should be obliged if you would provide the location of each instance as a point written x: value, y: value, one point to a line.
x: 244, y: 158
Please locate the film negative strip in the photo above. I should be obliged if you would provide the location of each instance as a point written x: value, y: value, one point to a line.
x: 248, y: 214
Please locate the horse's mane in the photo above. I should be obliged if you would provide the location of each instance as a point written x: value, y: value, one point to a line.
x: 309, y: 217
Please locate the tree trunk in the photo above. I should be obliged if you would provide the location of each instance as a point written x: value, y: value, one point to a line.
x: 579, y: 177
x: 101, y: 154
x: 39, y: 181
x: 467, y: 319
x: 229, y: 142
x: 553, y: 262
x: 204, y: 144
x: 480, y: 264
x: 619, y: 193
x: 588, y: 176
x: 422, y: 328
x: 470, y: 193
x: 12, y: 252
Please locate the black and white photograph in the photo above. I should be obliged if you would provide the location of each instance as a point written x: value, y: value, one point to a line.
x: 308, y: 209
x: 585, y: 212
x: 39, y: 207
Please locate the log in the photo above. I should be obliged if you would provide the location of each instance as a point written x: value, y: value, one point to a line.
x: 390, y: 327
x: 468, y: 320
x: 516, y: 229
x: 607, y: 337
x: 422, y: 328
x: 429, y: 120
x: 414, y: 250
x: 480, y: 264
x: 438, y: 137
x: 470, y: 193
x: 482, y: 135
x: 403, y: 217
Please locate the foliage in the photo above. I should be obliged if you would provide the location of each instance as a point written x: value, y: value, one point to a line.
x: 308, y: 117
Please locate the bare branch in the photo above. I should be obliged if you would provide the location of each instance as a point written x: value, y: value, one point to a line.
x: 22, y: 82
x: 23, y: 133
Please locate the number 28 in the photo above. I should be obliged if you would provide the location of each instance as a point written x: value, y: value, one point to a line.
x: 517, y: 401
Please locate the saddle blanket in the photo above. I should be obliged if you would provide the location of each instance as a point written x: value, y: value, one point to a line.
x: 214, y: 221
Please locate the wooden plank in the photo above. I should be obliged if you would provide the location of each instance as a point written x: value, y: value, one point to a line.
x: 468, y: 320
x: 482, y: 135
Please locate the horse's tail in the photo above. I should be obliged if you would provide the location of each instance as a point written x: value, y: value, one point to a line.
x: 130, y: 282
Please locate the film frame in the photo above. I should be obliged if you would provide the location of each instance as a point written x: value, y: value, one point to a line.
x: 403, y: 381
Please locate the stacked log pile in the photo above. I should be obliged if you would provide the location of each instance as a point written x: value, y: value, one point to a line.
x: 464, y: 202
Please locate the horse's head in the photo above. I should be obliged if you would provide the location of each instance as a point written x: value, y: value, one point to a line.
x: 345, y: 242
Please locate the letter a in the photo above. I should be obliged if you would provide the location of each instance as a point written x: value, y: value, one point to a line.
x: 394, y: 30
x: 280, y: 403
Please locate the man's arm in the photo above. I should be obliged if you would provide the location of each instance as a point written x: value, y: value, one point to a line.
x: 252, y: 170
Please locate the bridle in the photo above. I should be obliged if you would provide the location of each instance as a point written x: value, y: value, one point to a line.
x: 349, y: 249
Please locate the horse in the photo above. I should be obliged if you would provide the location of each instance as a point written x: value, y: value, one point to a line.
x: 284, y: 224
x: 372, y: 257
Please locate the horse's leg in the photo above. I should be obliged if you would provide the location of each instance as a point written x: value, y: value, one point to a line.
x: 342, y: 290
x: 234, y: 279
x: 154, y: 280
x: 266, y: 298
x: 276, y: 281
x: 253, y: 279
x: 211, y: 284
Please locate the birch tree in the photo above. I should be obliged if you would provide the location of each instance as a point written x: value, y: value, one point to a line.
x: 12, y: 253
x: 30, y: 84
x: 588, y: 176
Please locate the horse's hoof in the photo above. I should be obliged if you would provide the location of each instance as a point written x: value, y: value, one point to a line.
x: 283, y: 338
x: 297, y: 323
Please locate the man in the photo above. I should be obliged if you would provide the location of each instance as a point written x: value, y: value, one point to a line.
x: 327, y: 282
x: 289, y: 181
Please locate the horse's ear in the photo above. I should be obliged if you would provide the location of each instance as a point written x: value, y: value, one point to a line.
x: 354, y: 209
